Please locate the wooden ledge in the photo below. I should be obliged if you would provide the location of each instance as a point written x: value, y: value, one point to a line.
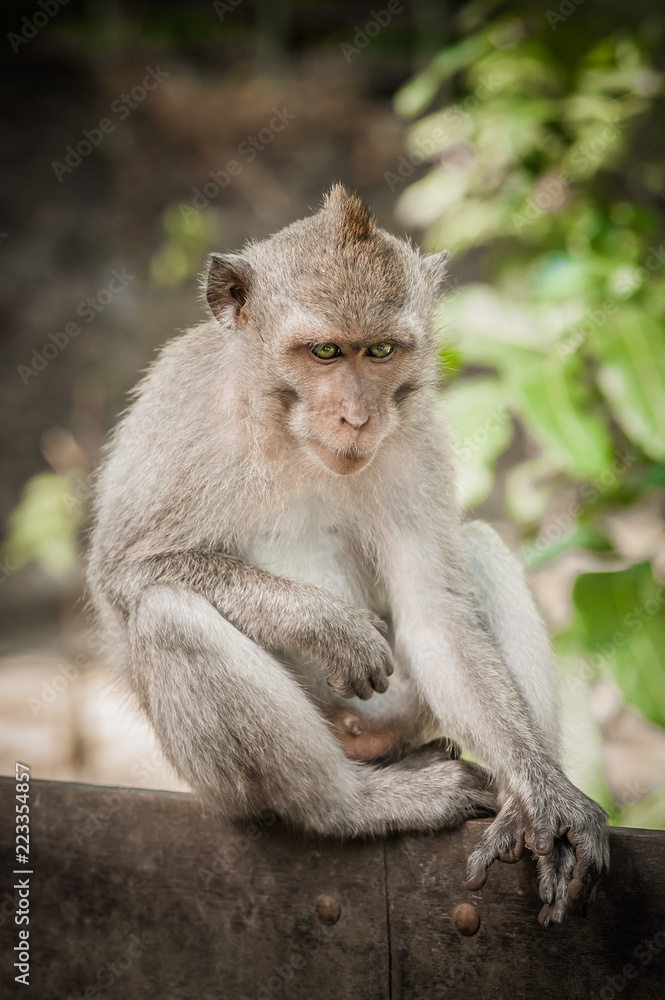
x: 139, y: 894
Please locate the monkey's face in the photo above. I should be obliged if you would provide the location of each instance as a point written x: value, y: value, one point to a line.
x: 335, y: 316
x: 342, y: 397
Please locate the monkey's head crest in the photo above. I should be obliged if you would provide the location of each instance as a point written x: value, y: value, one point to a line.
x: 337, y: 264
x: 350, y: 215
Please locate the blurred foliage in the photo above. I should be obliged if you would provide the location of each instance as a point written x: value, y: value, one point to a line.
x: 187, y: 233
x: 545, y: 142
x: 44, y: 526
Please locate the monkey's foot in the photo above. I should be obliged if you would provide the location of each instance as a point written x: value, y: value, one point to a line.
x: 570, y: 860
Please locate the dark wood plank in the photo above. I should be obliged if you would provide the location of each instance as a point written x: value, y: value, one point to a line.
x: 141, y: 894
x: 135, y: 908
x: 512, y: 957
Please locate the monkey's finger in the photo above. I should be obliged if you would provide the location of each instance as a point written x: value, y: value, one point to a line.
x: 564, y: 870
x: 545, y: 916
x: 476, y: 879
x: 477, y: 871
x: 387, y: 664
x: 540, y: 841
x: 554, y: 871
x: 546, y: 890
x: 362, y: 688
x: 583, y: 883
x: 587, y: 871
x: 357, y: 688
x: 515, y: 853
x: 379, y: 683
x: 380, y: 625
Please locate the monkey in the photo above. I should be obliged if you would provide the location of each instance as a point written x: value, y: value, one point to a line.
x: 281, y: 568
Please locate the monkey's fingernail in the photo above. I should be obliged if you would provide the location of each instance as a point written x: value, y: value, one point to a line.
x: 561, y: 917
x: 547, y: 921
x: 476, y: 880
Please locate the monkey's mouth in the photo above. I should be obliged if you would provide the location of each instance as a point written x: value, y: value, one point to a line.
x: 343, y: 461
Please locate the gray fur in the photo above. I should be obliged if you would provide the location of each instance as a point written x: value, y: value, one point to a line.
x: 273, y: 536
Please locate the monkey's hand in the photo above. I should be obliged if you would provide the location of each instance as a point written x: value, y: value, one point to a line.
x: 356, y: 657
x: 571, y: 840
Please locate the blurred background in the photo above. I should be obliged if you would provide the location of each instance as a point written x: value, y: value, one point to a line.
x: 527, y: 138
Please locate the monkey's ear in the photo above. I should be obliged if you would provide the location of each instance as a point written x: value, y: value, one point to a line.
x: 436, y: 270
x: 228, y: 286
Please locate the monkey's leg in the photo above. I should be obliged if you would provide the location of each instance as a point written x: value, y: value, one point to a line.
x: 507, y: 607
x: 239, y: 728
x: 456, y: 662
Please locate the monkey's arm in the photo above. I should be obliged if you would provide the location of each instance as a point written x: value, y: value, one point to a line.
x: 444, y: 637
x: 279, y: 614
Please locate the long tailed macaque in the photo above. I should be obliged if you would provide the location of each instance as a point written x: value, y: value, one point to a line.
x: 280, y: 562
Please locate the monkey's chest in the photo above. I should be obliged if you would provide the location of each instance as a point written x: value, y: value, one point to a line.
x: 323, y: 557
x: 326, y: 558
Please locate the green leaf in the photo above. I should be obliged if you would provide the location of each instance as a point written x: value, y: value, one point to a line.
x: 528, y: 490
x: 415, y: 95
x: 477, y: 413
x: 555, y: 406
x: 620, y: 621
x: 631, y: 352
x: 44, y: 525
x: 582, y: 536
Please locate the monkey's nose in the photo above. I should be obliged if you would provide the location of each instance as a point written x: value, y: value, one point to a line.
x: 357, y: 422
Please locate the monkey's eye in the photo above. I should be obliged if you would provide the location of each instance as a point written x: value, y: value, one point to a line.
x: 324, y: 352
x: 381, y: 350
